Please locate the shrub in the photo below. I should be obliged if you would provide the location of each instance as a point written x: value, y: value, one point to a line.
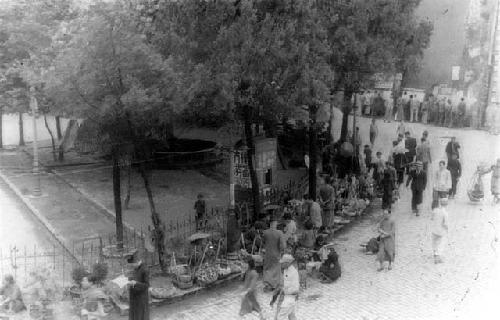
x: 78, y: 273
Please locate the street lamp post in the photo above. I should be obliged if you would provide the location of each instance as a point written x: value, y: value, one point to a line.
x: 36, y: 173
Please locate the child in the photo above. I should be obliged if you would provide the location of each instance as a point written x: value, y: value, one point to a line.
x: 200, y: 208
x: 368, y: 157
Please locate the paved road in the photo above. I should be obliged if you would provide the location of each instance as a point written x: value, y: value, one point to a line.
x: 465, y: 286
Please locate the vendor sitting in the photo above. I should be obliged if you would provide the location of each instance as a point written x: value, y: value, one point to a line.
x: 11, y: 299
x: 330, y: 269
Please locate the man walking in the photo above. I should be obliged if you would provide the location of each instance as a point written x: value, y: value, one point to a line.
x: 399, y: 109
x: 424, y: 154
x: 453, y: 147
x: 439, y: 229
x: 411, y: 147
x: 373, y: 131
x: 442, y: 112
x: 442, y: 184
x: 455, y: 169
x: 418, y: 179
x: 274, y: 244
x: 327, y: 202
x: 388, y: 109
x: 288, y: 294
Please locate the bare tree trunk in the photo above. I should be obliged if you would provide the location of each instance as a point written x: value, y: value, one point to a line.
x: 345, y: 116
x: 51, y: 138
x: 21, y: 129
x: 58, y: 128
x: 313, y: 152
x: 251, y: 166
x: 1, y: 127
x: 117, y: 200
x: 129, y: 186
x: 159, y: 228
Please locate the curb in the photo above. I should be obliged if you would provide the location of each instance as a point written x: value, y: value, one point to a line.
x: 59, y: 238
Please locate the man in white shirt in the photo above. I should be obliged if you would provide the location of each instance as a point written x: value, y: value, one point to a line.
x: 439, y: 229
x: 442, y: 184
x: 290, y: 289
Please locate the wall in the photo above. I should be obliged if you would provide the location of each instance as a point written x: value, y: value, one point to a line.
x: 10, y: 128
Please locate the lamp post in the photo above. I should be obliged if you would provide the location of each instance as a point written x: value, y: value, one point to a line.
x: 36, y: 172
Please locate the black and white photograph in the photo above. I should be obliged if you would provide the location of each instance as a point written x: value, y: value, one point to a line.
x: 249, y: 159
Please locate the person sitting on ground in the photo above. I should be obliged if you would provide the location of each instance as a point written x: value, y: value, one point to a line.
x: 308, y: 237
x: 330, y: 269
x: 11, y: 298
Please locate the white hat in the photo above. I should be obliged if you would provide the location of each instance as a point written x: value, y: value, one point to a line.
x: 286, y: 258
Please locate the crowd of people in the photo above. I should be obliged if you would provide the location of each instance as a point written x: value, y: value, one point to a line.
x: 440, y: 111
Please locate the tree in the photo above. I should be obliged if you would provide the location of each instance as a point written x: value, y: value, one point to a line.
x: 367, y: 37
x: 113, y: 77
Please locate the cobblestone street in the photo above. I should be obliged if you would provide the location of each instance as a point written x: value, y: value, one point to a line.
x: 461, y: 288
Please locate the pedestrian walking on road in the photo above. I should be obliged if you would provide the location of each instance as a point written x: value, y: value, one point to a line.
x: 288, y: 293
x: 439, y: 229
x: 442, y: 184
x: 418, y: 180
x: 411, y: 147
x: 387, y: 191
x: 424, y: 154
x: 495, y: 181
x: 399, y: 109
x: 249, y: 302
x: 453, y: 147
x: 274, y: 244
x: 138, y: 289
x: 461, y: 110
x: 442, y: 112
x: 425, y: 111
x: 387, y: 242
x: 368, y: 157
x: 373, y: 132
x: 455, y: 169
x: 398, y: 159
x: 389, y: 105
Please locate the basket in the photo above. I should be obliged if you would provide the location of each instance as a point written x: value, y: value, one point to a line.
x: 182, y: 285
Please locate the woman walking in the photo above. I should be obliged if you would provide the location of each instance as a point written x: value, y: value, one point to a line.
x: 249, y: 303
x: 387, y: 244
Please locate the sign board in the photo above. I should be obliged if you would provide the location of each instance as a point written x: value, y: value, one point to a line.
x: 241, y: 173
x: 383, y: 81
x: 455, y: 73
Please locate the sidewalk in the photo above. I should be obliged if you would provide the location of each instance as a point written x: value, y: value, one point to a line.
x: 68, y: 215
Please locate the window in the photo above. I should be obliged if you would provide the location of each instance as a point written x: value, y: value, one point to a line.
x: 268, y: 177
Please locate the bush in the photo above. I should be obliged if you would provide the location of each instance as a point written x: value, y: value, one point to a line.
x: 78, y: 274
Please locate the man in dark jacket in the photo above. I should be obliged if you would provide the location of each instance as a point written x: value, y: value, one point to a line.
x: 411, y: 146
x: 455, y: 169
x: 453, y: 148
x: 138, y: 289
x: 418, y: 179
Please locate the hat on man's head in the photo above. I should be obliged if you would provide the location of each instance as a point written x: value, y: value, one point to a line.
x: 286, y: 258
